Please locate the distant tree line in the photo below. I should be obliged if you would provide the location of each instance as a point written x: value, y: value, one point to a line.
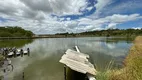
x: 14, y: 32
x: 115, y: 32
x: 109, y: 32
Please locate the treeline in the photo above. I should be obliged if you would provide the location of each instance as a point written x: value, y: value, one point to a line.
x: 109, y: 32
x: 66, y: 34
x: 114, y: 32
x: 14, y: 32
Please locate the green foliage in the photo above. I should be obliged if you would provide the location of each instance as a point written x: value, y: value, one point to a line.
x: 28, y: 34
x: 14, y: 32
x: 102, y: 76
x: 114, y: 32
x: 5, y: 34
x: 107, y: 33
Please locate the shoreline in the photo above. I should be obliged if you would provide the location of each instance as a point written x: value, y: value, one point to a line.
x: 63, y: 37
x: 16, y: 38
x: 131, y: 69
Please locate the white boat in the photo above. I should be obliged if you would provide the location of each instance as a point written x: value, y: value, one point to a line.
x: 18, y: 50
x: 25, y: 52
x: 11, y: 54
x: 18, y: 53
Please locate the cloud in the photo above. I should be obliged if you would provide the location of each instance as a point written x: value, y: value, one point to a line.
x: 7, y: 7
x: 36, y: 15
x: 101, y: 4
x: 58, y: 7
x: 107, y: 22
x: 119, y: 7
x: 111, y: 26
x: 136, y: 27
x: 117, y: 18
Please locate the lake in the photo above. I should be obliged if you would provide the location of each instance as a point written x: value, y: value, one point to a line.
x: 43, y: 62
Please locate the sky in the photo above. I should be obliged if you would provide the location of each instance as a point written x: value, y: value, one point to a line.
x: 60, y: 16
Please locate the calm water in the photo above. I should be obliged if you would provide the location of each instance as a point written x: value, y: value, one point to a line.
x: 43, y: 62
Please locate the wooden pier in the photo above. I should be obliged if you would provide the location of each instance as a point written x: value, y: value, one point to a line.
x: 79, y: 62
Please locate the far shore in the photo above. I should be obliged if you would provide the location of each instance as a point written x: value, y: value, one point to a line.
x: 63, y: 36
x: 16, y: 37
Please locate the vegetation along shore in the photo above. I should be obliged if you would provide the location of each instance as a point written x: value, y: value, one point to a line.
x: 14, y: 32
x: 132, y: 69
x: 96, y: 33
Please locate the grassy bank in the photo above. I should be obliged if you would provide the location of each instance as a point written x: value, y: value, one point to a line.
x: 132, y: 69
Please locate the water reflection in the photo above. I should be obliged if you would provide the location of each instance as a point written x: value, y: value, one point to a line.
x: 15, y: 42
x: 42, y: 64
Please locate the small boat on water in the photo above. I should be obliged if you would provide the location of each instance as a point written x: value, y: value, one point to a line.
x: 25, y: 52
x: 18, y: 52
x: 10, y: 52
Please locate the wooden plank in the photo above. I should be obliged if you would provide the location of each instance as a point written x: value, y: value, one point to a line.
x: 76, y: 57
x: 69, y: 51
x: 78, y: 62
x: 78, y: 66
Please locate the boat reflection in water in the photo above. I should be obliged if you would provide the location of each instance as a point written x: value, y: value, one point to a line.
x: 5, y: 68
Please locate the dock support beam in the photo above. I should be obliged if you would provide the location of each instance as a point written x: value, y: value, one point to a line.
x: 65, y: 75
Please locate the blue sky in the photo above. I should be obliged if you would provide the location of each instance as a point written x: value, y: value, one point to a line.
x: 59, y: 16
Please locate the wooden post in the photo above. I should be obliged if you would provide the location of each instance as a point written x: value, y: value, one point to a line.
x: 65, y: 76
x: 77, y: 49
x: 23, y: 76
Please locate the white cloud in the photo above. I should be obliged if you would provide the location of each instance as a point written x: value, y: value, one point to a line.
x: 58, y: 7
x: 111, y: 26
x: 107, y: 22
x: 89, y: 8
x: 136, y: 27
x: 124, y: 7
x: 35, y: 15
x: 51, y: 25
x: 100, y: 5
x: 117, y: 18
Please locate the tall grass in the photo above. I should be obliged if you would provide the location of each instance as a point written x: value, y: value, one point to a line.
x: 132, y: 69
x: 133, y: 64
x: 104, y: 75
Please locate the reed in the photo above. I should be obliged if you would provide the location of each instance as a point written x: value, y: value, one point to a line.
x: 132, y: 69
x: 133, y: 64
x: 105, y: 74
